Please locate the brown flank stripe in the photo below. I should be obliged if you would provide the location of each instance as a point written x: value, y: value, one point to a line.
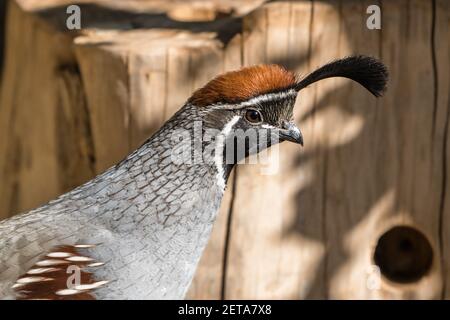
x: 48, y: 278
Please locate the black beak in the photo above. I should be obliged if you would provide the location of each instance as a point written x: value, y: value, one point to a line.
x: 291, y: 132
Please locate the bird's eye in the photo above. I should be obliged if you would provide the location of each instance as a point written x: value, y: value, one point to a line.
x: 253, y: 116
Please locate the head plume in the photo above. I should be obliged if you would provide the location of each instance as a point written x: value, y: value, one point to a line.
x: 367, y: 71
x: 246, y: 83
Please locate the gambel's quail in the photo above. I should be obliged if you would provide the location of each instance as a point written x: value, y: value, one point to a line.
x: 137, y: 231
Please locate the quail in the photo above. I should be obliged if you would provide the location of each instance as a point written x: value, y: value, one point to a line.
x: 137, y: 231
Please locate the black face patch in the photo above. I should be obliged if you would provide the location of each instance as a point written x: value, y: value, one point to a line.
x: 275, y: 111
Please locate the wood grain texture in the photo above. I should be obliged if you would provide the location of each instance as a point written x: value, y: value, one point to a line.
x: 75, y: 103
x: 29, y: 104
x: 441, y: 49
x: 2, y: 31
x: 265, y: 229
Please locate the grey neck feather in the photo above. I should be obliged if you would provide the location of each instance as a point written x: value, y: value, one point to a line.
x: 175, y: 203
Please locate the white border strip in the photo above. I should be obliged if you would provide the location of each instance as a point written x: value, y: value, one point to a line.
x: 258, y: 99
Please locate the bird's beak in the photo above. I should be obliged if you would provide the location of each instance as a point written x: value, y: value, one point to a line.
x: 290, y: 132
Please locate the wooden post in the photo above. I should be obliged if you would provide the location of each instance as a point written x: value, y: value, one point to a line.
x: 363, y: 211
x: 2, y: 31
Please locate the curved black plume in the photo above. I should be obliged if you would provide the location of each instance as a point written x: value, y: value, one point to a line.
x: 369, y: 72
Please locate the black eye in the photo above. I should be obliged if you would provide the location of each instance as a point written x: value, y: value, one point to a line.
x: 253, y: 116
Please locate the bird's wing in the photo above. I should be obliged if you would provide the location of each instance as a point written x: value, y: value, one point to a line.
x: 62, y: 273
x: 38, y: 259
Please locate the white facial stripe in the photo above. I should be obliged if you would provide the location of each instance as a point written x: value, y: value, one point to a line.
x: 218, y: 156
x: 226, y: 130
x: 268, y: 97
x: 259, y: 99
x: 267, y: 126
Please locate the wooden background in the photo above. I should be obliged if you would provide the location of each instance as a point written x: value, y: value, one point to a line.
x: 72, y: 103
x: 2, y: 31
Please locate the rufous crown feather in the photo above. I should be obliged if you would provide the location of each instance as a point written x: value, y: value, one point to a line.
x: 244, y: 84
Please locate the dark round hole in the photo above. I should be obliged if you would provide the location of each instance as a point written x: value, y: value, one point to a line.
x: 403, y: 254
